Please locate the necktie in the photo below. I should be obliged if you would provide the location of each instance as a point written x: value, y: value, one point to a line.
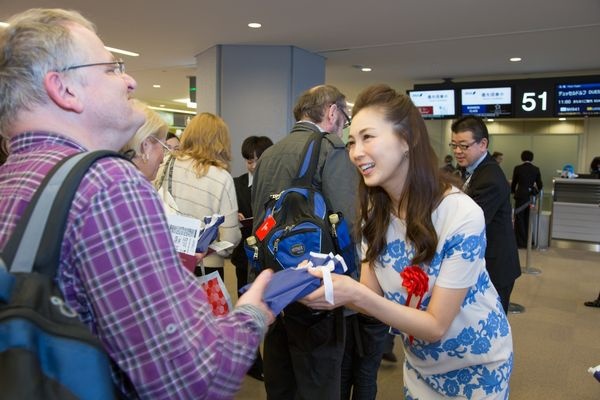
x: 467, y: 178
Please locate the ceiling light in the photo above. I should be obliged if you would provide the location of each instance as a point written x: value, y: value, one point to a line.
x: 125, y: 52
x: 3, y: 24
x: 562, y: 119
x: 490, y: 120
x: 161, y: 105
x: 173, y: 110
x: 366, y: 69
x: 156, y: 86
x: 254, y: 25
x: 515, y: 59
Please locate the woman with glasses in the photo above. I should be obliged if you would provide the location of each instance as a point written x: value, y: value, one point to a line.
x: 423, y: 271
x: 201, y: 184
x: 146, y: 148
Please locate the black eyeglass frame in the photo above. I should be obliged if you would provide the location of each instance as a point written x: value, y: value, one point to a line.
x: 348, y: 119
x: 120, y: 64
x: 463, y: 147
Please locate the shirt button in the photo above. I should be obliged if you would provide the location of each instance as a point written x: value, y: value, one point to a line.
x: 171, y: 328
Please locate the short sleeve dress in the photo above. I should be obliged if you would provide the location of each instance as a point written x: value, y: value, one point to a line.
x: 474, y: 359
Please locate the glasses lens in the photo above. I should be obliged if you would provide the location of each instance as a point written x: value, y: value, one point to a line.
x: 163, y: 144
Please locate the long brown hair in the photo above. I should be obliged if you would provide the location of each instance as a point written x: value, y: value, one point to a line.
x: 206, y: 141
x: 424, y: 186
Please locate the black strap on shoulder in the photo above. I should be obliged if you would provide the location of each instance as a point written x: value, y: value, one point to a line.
x: 310, y: 160
x: 167, y: 173
x: 170, y: 174
x: 36, y: 241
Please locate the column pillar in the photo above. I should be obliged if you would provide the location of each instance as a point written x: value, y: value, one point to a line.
x: 254, y: 88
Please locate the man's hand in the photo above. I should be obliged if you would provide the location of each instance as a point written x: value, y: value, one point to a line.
x: 255, y: 293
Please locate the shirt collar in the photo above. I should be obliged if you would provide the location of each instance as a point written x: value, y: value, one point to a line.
x: 474, y: 166
x: 24, y: 141
x: 312, y: 123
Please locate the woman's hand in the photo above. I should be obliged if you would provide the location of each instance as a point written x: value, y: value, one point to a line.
x: 346, y: 292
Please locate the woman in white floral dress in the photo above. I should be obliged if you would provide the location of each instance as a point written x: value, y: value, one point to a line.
x: 423, y: 247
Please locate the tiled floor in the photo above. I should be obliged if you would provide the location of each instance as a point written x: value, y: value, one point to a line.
x: 556, y: 339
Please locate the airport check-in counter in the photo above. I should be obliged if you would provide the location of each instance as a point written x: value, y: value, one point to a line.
x: 576, y: 210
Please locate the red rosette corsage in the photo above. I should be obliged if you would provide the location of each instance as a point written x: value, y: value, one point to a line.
x: 416, y: 282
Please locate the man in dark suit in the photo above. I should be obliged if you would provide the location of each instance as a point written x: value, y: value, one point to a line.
x: 526, y: 182
x: 486, y: 184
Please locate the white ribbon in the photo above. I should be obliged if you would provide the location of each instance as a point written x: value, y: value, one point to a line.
x: 327, y: 282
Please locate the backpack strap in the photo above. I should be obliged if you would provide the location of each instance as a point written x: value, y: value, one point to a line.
x: 35, y: 243
x: 167, y: 173
x: 310, y: 160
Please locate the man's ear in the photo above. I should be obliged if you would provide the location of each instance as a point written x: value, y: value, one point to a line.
x: 331, y: 112
x: 59, y: 91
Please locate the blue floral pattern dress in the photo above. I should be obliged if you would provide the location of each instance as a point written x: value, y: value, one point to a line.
x: 474, y: 359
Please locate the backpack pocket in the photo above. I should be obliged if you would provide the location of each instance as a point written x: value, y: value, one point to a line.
x: 291, y: 245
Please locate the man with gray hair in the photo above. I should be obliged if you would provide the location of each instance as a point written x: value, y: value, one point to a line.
x: 62, y: 92
x: 303, y: 350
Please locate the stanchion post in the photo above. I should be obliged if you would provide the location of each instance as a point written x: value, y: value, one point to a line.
x: 528, y: 269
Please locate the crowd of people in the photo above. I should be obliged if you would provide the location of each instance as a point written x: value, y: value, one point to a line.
x: 438, y: 255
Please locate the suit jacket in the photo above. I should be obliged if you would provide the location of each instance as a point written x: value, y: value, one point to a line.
x: 243, y: 194
x: 524, y: 177
x: 490, y: 190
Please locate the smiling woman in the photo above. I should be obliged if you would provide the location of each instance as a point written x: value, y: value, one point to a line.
x: 423, y: 273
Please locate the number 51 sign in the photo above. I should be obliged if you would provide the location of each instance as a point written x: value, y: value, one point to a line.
x: 534, y: 99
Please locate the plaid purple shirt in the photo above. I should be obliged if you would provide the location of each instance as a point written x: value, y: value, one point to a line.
x: 119, y: 271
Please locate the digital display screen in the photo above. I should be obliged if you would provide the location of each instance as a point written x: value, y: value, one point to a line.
x: 486, y: 102
x: 578, y: 99
x: 434, y: 103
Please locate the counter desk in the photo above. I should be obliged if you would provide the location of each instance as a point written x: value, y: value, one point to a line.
x: 576, y: 210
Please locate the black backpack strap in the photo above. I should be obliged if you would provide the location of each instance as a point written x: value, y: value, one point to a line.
x: 35, y: 244
x: 310, y: 159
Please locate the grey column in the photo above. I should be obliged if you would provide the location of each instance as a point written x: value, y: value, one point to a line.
x: 254, y: 88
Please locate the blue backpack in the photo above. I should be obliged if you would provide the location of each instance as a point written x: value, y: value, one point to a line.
x: 45, y: 351
x: 298, y: 220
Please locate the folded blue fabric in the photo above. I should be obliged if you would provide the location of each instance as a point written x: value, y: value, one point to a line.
x: 210, y: 232
x: 289, y: 285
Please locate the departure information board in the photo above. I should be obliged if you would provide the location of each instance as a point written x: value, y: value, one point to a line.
x: 434, y: 103
x: 487, y: 102
x: 578, y: 99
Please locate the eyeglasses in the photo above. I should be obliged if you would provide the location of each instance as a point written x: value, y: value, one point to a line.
x: 463, y: 147
x: 348, y: 119
x: 163, y: 144
x: 119, y: 66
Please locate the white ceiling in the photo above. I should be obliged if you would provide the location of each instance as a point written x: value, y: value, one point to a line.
x: 404, y: 41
